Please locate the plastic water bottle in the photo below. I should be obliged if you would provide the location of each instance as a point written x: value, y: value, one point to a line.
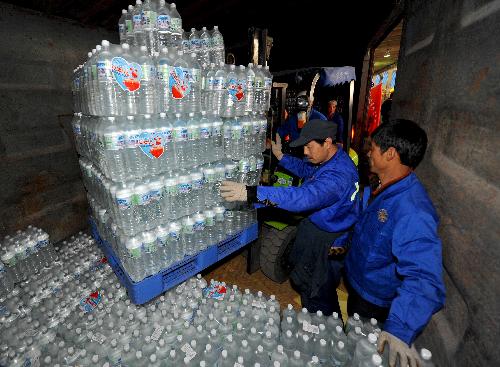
x: 109, y: 94
x: 166, y: 132
x: 175, y: 27
x: 149, y: 29
x: 147, y: 91
x: 217, y: 138
x: 139, y: 37
x: 280, y: 356
x: 250, y: 86
x: 194, y: 94
x: 370, y: 326
x: 207, y: 91
x: 181, y: 141
x: 193, y: 140
x: 218, y: 89
x: 340, y: 356
x: 6, y: 281
x: 236, y: 147
x: 258, y: 103
x: 204, y: 48
x: 198, y: 196
x: 217, y: 49
x: 184, y: 188
x: 206, y: 145
x: 374, y: 361
x: 129, y: 26
x: 229, y: 97
x: 352, y: 322
x: 131, y: 98
x: 163, y: 25
x: 353, y: 337
x: 163, y: 76
x: 122, y: 27
x: 364, y: 350
x: 426, y: 358
x: 268, y: 85
x: 179, y: 84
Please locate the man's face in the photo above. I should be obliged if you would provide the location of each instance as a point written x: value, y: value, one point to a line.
x: 315, y: 152
x: 331, y: 109
x: 376, y: 158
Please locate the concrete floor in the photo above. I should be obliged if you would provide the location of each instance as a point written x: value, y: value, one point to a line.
x: 232, y: 270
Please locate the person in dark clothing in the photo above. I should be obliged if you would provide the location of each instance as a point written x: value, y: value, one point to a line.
x: 385, y: 109
x: 336, y: 117
x: 327, y: 197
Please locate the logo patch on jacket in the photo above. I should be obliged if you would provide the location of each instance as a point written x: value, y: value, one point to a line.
x: 382, y: 215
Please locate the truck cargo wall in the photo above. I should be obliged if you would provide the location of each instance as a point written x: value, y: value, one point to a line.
x: 40, y: 181
x: 448, y: 81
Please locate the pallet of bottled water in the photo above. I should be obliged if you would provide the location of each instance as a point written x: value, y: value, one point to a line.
x: 152, y: 272
x: 73, y: 312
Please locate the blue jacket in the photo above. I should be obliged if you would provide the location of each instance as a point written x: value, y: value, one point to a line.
x: 395, y: 257
x: 337, y: 118
x: 329, y: 193
x: 291, y: 128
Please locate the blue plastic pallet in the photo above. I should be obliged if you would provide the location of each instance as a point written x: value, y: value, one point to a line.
x: 150, y: 287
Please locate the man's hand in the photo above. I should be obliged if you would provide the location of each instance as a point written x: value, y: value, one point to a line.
x: 233, y: 191
x: 276, y: 148
x: 407, y: 356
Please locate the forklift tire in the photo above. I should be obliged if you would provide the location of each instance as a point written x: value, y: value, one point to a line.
x: 275, y: 248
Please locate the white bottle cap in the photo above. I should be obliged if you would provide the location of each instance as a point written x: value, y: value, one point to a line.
x: 277, y: 364
x: 372, y: 338
x: 315, y: 359
x: 357, y: 330
x: 376, y: 359
x: 425, y: 354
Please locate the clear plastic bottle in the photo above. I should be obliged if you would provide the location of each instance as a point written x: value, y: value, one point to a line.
x: 352, y: 322
x: 364, y: 350
x: 179, y: 84
x: 258, y: 103
x: 353, y: 337
x: 206, y: 145
x: 250, y: 86
x: 181, y: 141
x: 129, y: 26
x: 340, y: 356
x: 268, y: 85
x: 175, y: 27
x: 241, y: 90
x: 194, y: 41
x: 194, y: 95
x: 147, y: 91
x: 426, y: 358
x: 109, y: 93
x: 166, y: 132
x: 130, y: 99
x: 229, y: 99
x: 218, y: 89
x: 163, y: 72
x: 114, y: 142
x: 217, y: 138
x: 149, y: 29
x: 217, y: 46
x: 137, y: 20
x: 122, y: 27
x: 163, y: 25
x: 193, y: 140
x: 204, y: 49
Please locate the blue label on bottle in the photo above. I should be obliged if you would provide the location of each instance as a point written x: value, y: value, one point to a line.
x: 184, y: 188
x: 163, y: 22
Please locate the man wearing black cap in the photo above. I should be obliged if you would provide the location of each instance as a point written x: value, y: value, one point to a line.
x: 327, y: 197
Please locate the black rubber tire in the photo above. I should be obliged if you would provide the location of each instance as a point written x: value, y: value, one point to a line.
x: 275, y: 248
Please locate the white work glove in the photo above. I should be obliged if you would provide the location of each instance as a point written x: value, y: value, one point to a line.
x: 408, y: 356
x: 233, y: 191
x: 276, y: 148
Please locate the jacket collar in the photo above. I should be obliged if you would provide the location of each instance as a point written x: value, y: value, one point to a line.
x: 394, y: 188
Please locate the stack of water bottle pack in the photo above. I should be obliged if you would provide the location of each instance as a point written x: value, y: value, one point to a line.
x: 24, y: 253
x: 73, y: 312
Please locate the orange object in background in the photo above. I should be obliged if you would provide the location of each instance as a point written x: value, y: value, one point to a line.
x: 301, y: 119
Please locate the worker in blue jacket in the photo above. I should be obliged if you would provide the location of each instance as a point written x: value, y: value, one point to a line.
x: 290, y: 130
x: 327, y: 196
x: 393, y: 269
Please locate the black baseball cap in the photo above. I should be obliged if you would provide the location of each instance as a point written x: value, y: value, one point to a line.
x: 315, y: 129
